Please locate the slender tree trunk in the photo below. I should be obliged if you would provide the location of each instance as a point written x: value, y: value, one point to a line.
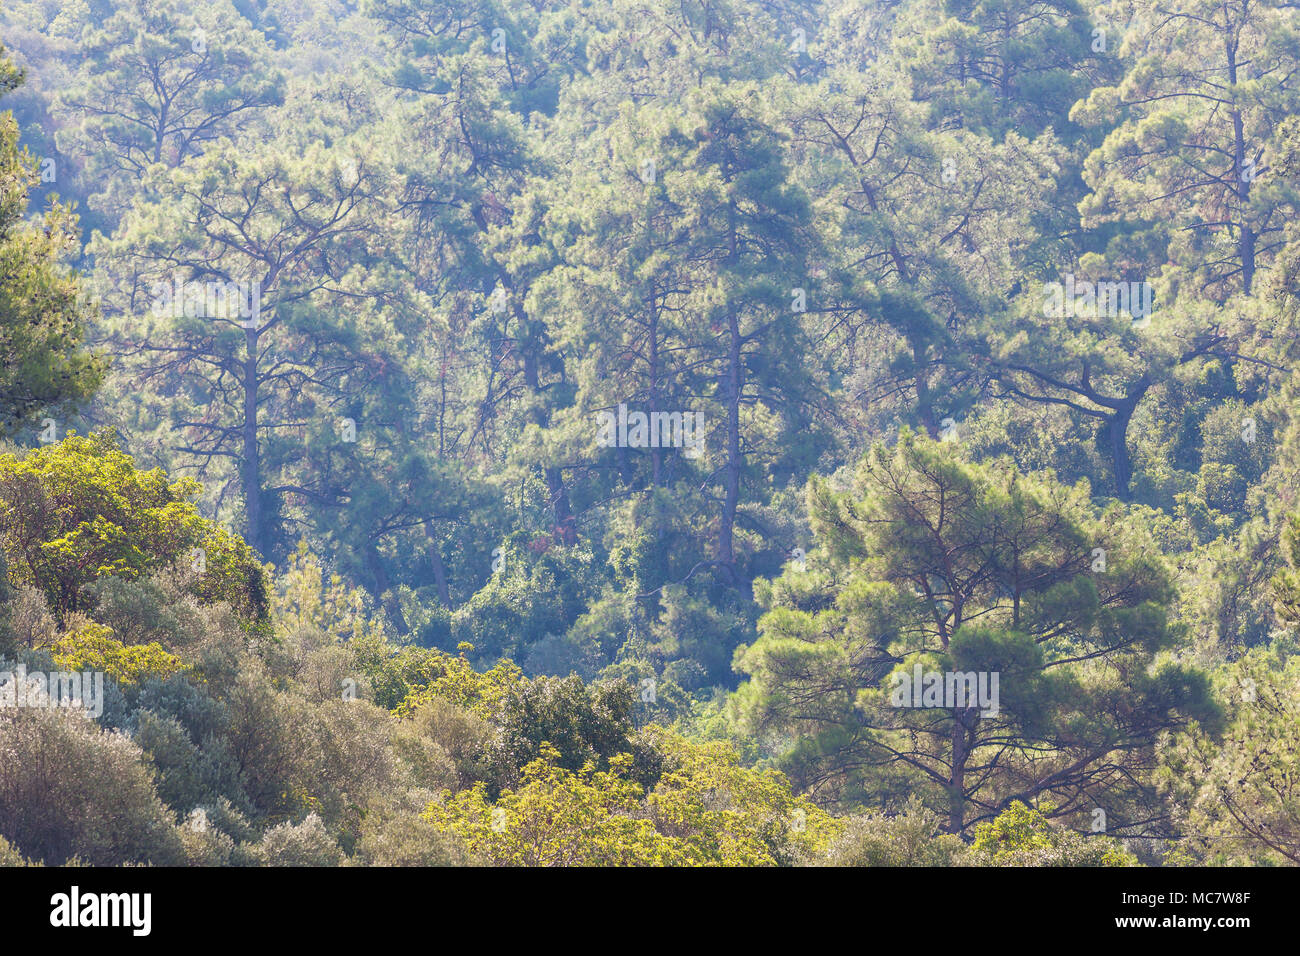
x: 656, y: 453
x: 1004, y: 77
x: 1246, y: 238
x: 726, y: 530
x: 957, y: 779
x: 383, y: 588
x: 1246, y: 247
x: 439, y: 569
x: 924, y: 402
x: 442, y: 406
x: 162, y: 130
x: 251, y: 463
x: 726, y: 555
x: 565, y: 531
x: 1246, y: 235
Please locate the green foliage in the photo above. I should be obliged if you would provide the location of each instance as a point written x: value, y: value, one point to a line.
x: 934, y: 564
x: 92, y: 648
x: 156, y: 83
x: 1022, y: 836
x: 99, y: 806
x: 402, y: 837
x: 304, y: 844
x: 43, y: 313
x: 11, y: 857
x: 911, y: 837
x: 704, y: 810
x: 558, y: 818
x: 1237, y: 795
x: 79, y: 510
x: 428, y: 673
x: 1286, y: 583
x: 840, y: 233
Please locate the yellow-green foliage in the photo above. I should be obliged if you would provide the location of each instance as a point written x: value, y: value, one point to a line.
x: 559, y: 818
x: 433, y: 673
x: 1022, y: 836
x: 305, y: 597
x: 80, y: 510
x: 92, y: 647
x: 731, y: 814
x: 706, y: 810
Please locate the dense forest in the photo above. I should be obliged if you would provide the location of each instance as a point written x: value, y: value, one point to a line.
x: 616, y: 432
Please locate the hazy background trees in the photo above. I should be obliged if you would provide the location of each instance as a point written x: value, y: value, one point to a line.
x: 830, y: 228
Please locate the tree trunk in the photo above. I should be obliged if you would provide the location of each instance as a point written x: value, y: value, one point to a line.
x: 564, y: 531
x: 957, y: 779
x: 1119, y: 422
x: 726, y: 529
x: 251, y: 464
x: 383, y: 588
x: 726, y: 554
x: 656, y: 453
x: 1119, y: 456
x: 924, y: 401
x: 439, y: 569
x: 1246, y: 239
x: 1246, y: 248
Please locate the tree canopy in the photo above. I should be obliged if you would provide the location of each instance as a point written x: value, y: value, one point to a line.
x: 613, y: 432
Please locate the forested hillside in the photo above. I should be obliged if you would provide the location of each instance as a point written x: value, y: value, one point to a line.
x: 563, y: 432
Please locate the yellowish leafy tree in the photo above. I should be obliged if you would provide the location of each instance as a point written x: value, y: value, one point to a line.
x: 92, y: 647
x: 705, y: 810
